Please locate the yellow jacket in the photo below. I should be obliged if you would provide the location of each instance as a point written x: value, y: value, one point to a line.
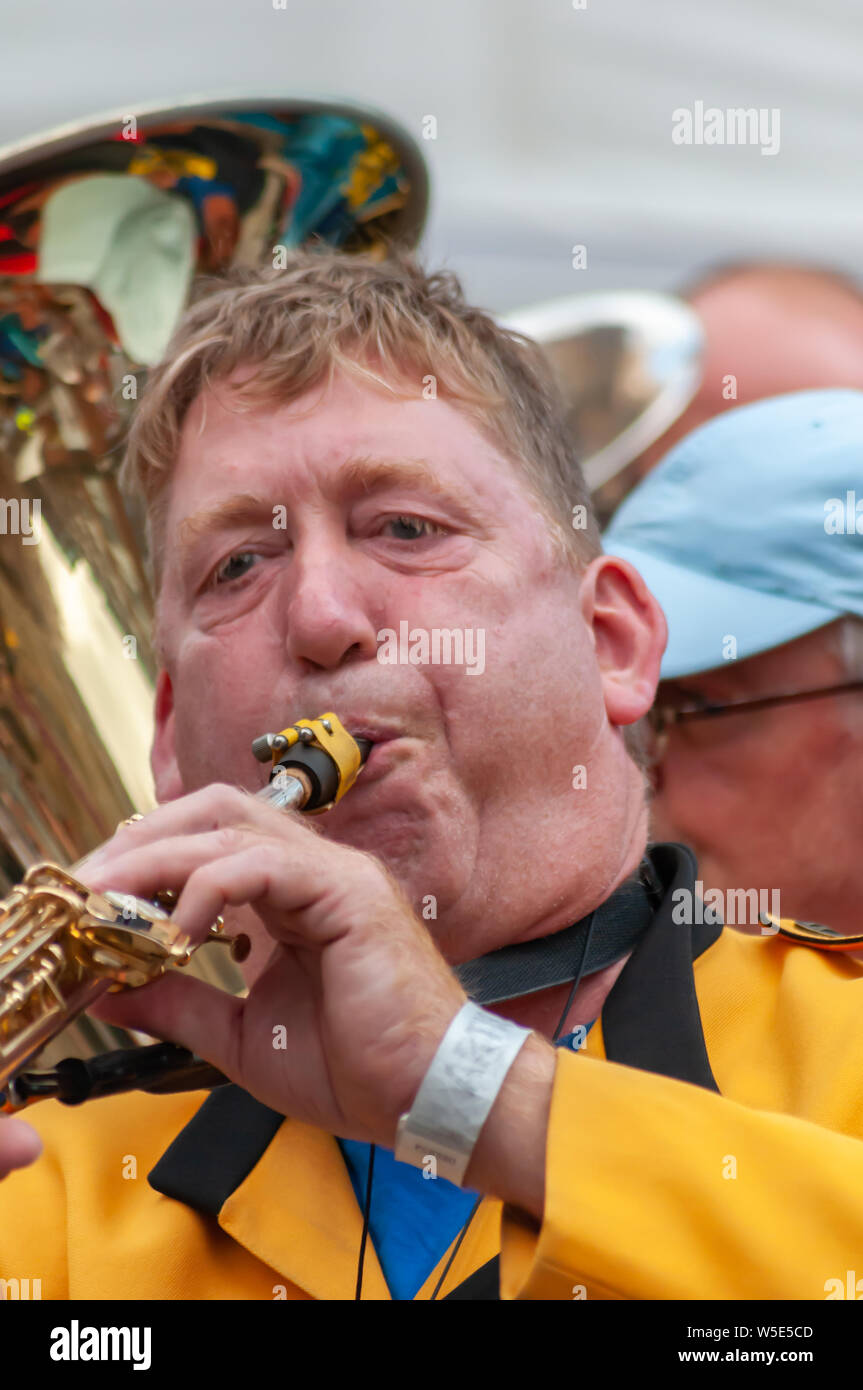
x: 718, y: 1155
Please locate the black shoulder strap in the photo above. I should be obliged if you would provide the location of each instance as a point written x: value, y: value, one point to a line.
x: 617, y: 925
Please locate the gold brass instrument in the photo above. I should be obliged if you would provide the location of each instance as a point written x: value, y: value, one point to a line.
x: 628, y: 363
x: 234, y: 180
x: 62, y: 946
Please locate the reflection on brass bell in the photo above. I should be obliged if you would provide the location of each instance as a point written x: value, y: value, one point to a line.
x: 628, y: 363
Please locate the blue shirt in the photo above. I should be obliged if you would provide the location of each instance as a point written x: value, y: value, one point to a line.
x: 414, y: 1216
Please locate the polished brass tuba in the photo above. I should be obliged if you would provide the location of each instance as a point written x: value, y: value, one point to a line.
x: 76, y: 663
x: 628, y: 363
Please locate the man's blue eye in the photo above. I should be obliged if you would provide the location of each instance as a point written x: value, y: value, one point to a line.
x: 233, y: 567
x: 417, y: 527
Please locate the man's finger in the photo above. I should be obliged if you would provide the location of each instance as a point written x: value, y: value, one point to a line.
x: 233, y: 866
x: 147, y: 869
x: 19, y: 1145
x: 181, y: 1010
x: 210, y: 808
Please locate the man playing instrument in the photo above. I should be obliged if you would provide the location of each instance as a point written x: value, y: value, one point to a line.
x: 328, y: 452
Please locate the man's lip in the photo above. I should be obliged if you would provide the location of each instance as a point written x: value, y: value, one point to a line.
x: 375, y: 734
x: 378, y: 763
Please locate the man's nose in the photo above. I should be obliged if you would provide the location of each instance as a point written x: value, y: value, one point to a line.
x: 327, y: 608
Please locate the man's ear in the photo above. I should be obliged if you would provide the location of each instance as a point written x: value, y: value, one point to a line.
x: 629, y: 635
x: 163, y: 759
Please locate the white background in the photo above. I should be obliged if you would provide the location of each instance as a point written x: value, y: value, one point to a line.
x: 554, y: 124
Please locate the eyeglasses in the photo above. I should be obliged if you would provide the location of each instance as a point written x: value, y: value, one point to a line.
x: 666, y: 714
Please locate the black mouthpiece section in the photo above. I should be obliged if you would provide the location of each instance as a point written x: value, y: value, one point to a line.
x: 319, y: 768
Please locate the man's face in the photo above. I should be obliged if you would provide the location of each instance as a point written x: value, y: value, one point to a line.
x: 769, y: 798
x: 394, y: 511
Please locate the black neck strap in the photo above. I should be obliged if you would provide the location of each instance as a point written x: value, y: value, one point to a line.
x: 528, y: 966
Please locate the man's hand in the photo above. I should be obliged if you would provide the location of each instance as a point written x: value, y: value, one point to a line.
x: 342, y: 1024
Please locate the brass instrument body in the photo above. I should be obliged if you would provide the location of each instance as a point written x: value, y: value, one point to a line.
x: 77, y: 663
x: 62, y: 946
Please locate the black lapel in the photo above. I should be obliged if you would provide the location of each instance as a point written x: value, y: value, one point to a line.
x: 650, y: 1019
x: 216, y: 1150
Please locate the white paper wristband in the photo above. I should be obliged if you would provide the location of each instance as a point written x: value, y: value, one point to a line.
x: 458, y: 1091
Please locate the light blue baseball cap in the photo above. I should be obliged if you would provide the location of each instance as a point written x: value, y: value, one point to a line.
x: 749, y: 527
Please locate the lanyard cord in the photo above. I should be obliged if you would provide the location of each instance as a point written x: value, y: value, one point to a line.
x: 652, y: 889
x: 576, y: 982
x: 368, y: 1203
x: 366, y: 1213
x: 463, y: 1232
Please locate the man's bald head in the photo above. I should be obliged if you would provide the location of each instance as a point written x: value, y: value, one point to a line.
x: 769, y: 329
x: 777, y: 328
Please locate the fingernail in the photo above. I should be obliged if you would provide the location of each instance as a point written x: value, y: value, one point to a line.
x: 26, y: 1143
